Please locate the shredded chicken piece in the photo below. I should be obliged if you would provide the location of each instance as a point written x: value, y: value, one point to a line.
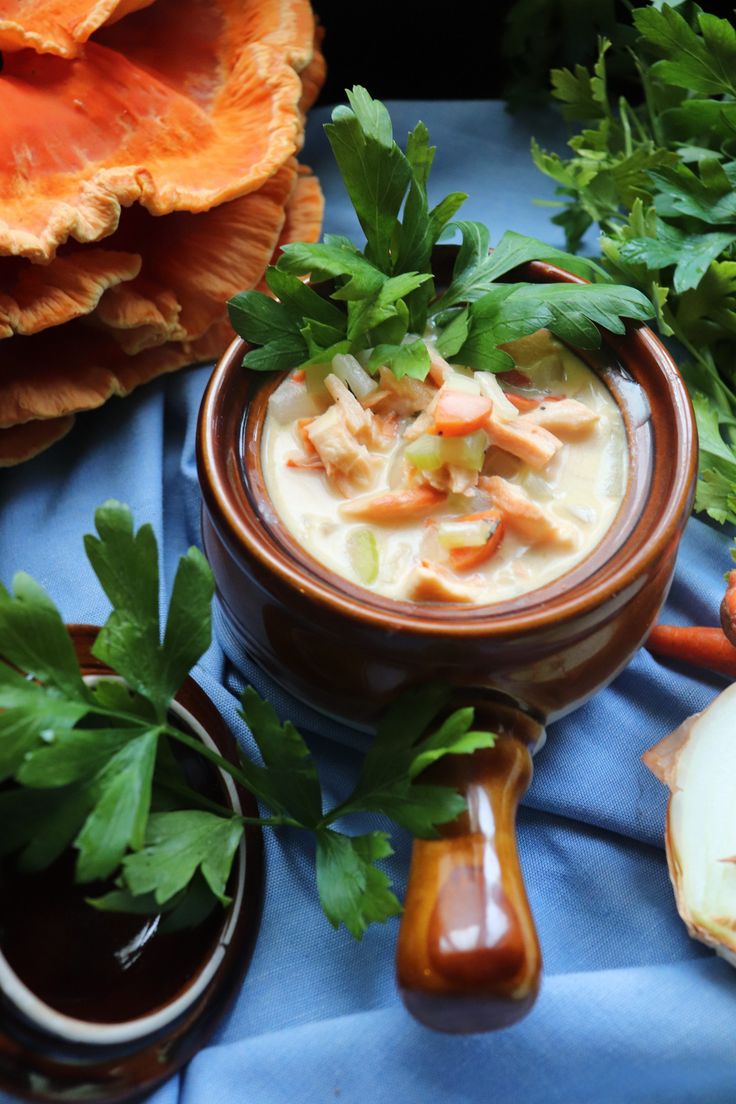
x: 568, y: 418
x: 374, y: 399
x: 359, y: 421
x: 403, y: 396
x: 388, y: 426
x: 452, y: 478
x: 524, y: 516
x: 500, y: 462
x: 395, y: 506
x: 349, y: 465
x: 439, y: 368
x: 424, y: 422
x: 532, y: 443
x: 430, y: 583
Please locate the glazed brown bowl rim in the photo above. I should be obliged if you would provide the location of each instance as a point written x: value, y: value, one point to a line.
x: 534, y: 611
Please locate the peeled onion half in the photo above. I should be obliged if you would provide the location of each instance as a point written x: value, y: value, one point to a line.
x: 698, y: 763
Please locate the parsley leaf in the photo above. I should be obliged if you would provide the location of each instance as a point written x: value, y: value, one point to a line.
x: 703, y: 62
x: 177, y: 845
x: 375, y: 171
x: 27, y: 712
x: 657, y: 174
x: 126, y: 563
x: 352, y: 890
x: 33, y: 637
x: 122, y: 797
x: 288, y: 783
x: 410, y: 359
x: 401, y: 751
x: 476, y: 271
x: 689, y: 254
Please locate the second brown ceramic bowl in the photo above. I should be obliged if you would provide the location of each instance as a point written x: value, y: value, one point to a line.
x: 101, y: 1007
x: 468, y: 955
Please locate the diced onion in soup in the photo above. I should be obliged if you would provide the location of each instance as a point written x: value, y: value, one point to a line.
x: 489, y: 386
x: 351, y: 372
x: 291, y: 401
x: 456, y: 381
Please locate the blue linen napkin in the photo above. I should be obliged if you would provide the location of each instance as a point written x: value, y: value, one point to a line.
x: 631, y: 1009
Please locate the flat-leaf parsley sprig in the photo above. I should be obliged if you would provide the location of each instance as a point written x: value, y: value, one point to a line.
x: 94, y: 767
x: 380, y: 300
x: 657, y: 174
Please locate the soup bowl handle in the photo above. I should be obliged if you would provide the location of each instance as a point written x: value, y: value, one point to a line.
x: 468, y: 957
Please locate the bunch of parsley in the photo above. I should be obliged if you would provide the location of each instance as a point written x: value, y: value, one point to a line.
x: 379, y: 301
x: 95, y: 767
x: 658, y: 178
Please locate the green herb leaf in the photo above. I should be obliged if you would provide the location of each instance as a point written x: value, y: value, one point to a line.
x: 690, y: 254
x: 583, y: 94
x: 572, y: 312
x: 375, y: 171
x: 177, y: 845
x: 704, y: 63
x: 279, y: 355
x: 289, y: 783
x: 74, y: 755
x: 28, y: 713
x: 122, y: 798
x: 189, y: 622
x: 476, y: 271
x: 411, y: 359
x: 302, y: 301
x: 260, y: 319
x: 33, y: 637
x: 401, y: 751
x: 328, y: 262
x: 126, y: 563
x: 352, y: 891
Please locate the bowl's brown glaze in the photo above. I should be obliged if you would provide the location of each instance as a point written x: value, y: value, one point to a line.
x: 349, y: 652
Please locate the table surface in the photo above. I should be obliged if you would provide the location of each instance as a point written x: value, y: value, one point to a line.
x: 631, y: 1009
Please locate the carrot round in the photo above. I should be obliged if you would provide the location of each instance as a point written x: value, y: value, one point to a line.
x: 728, y: 608
x: 703, y: 647
x: 467, y: 559
x: 414, y: 502
x: 458, y: 413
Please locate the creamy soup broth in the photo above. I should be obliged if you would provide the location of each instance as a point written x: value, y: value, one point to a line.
x: 574, y: 496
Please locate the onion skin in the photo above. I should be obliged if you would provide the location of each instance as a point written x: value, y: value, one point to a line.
x: 696, y: 763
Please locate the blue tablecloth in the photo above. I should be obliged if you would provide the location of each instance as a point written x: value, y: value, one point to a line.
x: 631, y: 1009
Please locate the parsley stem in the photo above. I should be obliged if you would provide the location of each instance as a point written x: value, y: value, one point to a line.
x: 180, y: 789
x: 273, y: 822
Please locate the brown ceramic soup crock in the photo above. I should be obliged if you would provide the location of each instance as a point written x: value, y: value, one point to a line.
x: 468, y: 955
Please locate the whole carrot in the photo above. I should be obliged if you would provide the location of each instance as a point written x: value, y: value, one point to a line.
x: 703, y: 647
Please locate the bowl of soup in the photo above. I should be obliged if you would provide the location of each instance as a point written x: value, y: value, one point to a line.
x: 513, y: 536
